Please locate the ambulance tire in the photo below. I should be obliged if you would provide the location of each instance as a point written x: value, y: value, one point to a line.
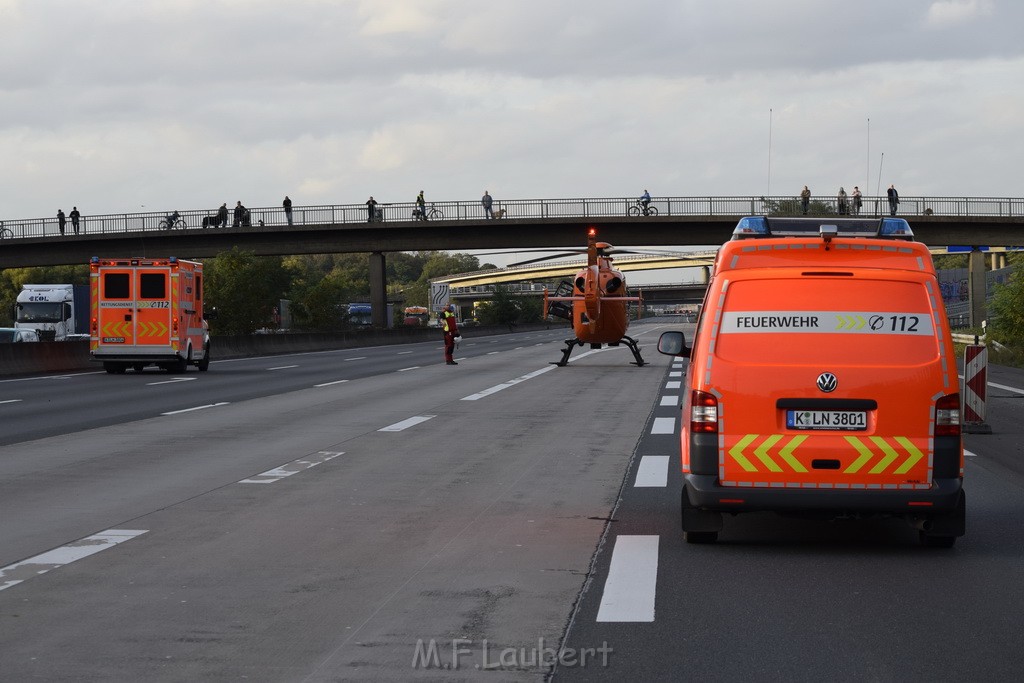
x: 115, y: 368
x: 178, y: 366
x: 138, y: 367
x: 204, y: 362
x: 944, y: 530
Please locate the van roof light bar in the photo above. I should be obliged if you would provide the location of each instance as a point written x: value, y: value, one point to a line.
x: 778, y: 226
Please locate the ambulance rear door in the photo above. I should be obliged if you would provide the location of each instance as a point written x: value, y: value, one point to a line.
x: 134, y: 313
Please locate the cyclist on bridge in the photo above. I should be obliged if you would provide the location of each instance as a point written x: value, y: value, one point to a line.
x: 645, y: 199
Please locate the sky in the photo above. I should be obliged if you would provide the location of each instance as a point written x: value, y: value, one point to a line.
x: 130, y: 105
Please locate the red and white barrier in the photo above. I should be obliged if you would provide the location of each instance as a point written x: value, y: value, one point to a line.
x: 975, y: 389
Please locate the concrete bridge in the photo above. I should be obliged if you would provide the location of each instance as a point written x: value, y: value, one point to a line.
x: 527, y: 223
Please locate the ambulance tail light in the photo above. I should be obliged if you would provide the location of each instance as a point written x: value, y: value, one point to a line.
x: 947, y: 415
x: 703, y: 413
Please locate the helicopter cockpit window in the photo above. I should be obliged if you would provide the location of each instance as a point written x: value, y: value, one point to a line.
x: 580, y: 283
x: 613, y: 285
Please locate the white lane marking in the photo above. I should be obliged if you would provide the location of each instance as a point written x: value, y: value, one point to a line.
x: 675, y: 374
x: 664, y: 425
x: 652, y: 471
x: 670, y: 400
x: 171, y: 381
x: 405, y: 424
x: 968, y: 454
x: 356, y: 358
x: 189, y: 410
x: 505, y: 385
x: 1006, y: 388
x: 415, y: 367
x: 283, y: 367
x: 293, y: 467
x: 12, y: 400
x: 13, y: 574
x: 491, y: 353
x: 404, y: 353
x: 328, y: 384
x: 630, y: 586
x: 673, y: 385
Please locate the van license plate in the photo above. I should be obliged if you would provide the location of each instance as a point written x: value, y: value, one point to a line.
x: 838, y: 420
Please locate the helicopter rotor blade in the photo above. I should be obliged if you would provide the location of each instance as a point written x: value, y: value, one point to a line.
x: 547, y: 258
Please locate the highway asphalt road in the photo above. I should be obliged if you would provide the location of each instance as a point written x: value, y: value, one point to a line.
x: 372, y: 514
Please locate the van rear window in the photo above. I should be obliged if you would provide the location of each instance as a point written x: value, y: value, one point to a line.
x: 877, y: 322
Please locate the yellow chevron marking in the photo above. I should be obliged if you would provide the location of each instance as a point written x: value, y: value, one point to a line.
x: 737, y: 452
x: 915, y: 455
x: 890, y: 455
x: 865, y: 455
x: 787, y: 454
x: 861, y: 322
x: 762, y: 452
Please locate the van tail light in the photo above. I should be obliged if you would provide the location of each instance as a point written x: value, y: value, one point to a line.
x: 947, y: 415
x: 703, y: 413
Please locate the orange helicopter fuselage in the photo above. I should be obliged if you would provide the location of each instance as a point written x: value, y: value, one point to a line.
x: 597, y: 318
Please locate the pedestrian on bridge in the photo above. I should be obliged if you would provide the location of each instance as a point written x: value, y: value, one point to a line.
x: 858, y: 201
x: 805, y: 199
x: 287, y: 204
x: 894, y: 199
x: 371, y: 209
x: 74, y: 216
x: 841, y: 202
x: 61, y: 220
x: 222, y: 215
x: 487, y: 202
x: 239, y: 215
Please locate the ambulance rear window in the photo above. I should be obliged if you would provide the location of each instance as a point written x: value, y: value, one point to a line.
x: 816, y: 320
x: 153, y: 286
x: 115, y: 286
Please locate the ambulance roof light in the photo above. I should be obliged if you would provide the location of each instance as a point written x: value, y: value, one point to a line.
x: 896, y: 227
x: 832, y: 226
x: 751, y: 226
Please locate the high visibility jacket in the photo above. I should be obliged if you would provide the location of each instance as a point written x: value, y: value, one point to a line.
x: 448, y: 323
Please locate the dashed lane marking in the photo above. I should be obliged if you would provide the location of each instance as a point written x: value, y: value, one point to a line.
x: 173, y: 380
x: 652, y: 472
x: 664, y: 425
x: 414, y: 367
x: 16, y: 573
x: 670, y: 400
x: 283, y: 367
x: 329, y: 384
x: 673, y: 385
x: 405, y: 424
x: 630, y: 587
x: 293, y: 467
x: 356, y: 358
x: 12, y: 400
x: 189, y: 410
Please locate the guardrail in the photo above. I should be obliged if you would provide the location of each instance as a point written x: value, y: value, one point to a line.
x: 522, y: 208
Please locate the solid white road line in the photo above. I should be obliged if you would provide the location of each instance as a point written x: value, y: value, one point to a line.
x: 664, y: 425
x: 14, y: 574
x: 630, y: 587
x: 405, y: 424
x: 293, y: 467
x: 652, y: 471
x: 1006, y: 388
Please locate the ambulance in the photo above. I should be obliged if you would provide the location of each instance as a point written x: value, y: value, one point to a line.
x: 147, y: 311
x: 822, y: 381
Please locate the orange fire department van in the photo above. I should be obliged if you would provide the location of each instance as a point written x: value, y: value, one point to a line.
x: 148, y: 311
x: 822, y: 380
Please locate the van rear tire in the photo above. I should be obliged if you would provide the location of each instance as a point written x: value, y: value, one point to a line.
x: 114, y: 368
x: 700, y: 536
x: 204, y: 363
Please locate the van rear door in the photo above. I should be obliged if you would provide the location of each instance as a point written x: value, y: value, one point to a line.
x: 828, y: 380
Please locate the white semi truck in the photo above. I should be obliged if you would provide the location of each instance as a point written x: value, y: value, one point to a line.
x: 55, y: 312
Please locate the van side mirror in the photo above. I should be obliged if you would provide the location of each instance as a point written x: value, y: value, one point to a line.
x: 673, y: 344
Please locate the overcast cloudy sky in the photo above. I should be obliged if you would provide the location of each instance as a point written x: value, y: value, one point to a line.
x: 112, y: 105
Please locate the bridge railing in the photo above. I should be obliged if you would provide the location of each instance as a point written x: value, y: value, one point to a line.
x: 532, y: 209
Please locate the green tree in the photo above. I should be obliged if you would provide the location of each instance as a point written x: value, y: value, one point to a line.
x: 505, y: 308
x: 1006, y: 311
x: 244, y: 289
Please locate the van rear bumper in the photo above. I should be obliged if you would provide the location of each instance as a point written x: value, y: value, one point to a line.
x: 705, y: 493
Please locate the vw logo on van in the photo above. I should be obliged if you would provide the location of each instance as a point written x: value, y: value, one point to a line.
x: 827, y: 382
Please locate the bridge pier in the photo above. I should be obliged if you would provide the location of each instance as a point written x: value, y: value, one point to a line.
x: 976, y: 286
x: 378, y: 290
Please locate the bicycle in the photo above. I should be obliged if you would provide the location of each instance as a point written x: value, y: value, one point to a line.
x: 172, y: 222
x: 639, y: 208
x: 5, y: 233
x: 432, y: 214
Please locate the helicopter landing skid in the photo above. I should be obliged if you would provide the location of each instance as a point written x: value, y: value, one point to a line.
x: 570, y: 344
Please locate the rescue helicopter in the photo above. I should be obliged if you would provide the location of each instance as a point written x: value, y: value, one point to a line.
x: 596, y: 302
